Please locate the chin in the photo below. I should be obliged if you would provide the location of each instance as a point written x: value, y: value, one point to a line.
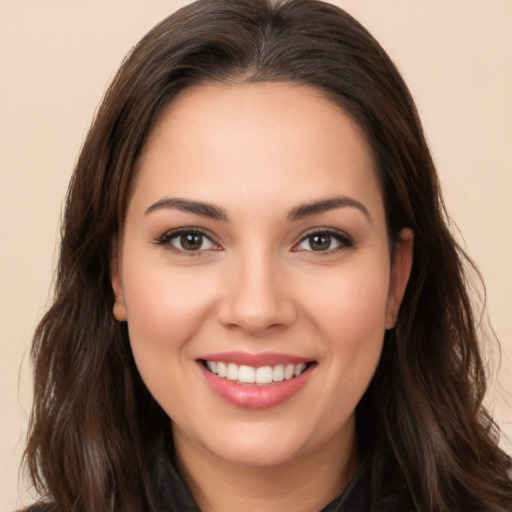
x: 259, y: 455
x: 261, y: 444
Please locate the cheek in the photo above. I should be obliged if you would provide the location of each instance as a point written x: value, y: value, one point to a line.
x: 350, y: 303
x: 349, y: 313
x: 164, y: 307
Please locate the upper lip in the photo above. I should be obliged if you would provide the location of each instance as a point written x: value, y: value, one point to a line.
x: 255, y: 360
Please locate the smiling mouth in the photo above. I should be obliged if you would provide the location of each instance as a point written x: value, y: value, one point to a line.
x: 263, y: 375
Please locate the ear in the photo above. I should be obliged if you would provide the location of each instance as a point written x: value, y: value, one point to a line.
x: 117, y: 285
x: 400, y: 271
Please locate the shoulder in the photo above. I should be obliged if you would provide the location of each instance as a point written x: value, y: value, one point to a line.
x: 388, y: 488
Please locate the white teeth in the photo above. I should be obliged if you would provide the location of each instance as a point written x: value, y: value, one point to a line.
x: 232, y: 371
x: 264, y: 375
x: 278, y: 373
x: 299, y: 369
x: 250, y: 375
x: 222, y: 370
x: 246, y: 374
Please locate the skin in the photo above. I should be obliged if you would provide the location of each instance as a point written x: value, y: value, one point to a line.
x: 259, y: 151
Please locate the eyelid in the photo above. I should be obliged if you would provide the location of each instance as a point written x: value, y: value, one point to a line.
x: 165, y: 238
x: 342, y: 237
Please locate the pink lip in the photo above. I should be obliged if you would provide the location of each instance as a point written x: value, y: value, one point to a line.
x: 253, y: 396
x: 255, y: 360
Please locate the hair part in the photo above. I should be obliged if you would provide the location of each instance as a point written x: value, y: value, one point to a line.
x: 93, y: 417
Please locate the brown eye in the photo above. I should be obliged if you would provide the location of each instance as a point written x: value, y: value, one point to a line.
x: 191, y: 241
x: 320, y: 242
x: 187, y: 241
x: 324, y: 241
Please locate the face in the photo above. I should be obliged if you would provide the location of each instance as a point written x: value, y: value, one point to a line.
x: 254, y: 271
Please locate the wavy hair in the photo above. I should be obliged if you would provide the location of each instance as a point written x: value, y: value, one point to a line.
x: 92, y: 416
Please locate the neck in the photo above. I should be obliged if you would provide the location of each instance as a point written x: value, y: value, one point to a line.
x: 308, y: 482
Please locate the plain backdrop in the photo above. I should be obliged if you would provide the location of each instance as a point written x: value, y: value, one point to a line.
x: 56, y: 58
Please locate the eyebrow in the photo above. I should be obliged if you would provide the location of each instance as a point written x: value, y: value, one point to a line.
x: 186, y: 205
x: 212, y: 211
x: 324, y: 205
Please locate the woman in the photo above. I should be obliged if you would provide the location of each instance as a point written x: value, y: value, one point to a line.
x: 259, y: 305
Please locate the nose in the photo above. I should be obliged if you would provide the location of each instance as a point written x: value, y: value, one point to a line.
x: 257, y: 296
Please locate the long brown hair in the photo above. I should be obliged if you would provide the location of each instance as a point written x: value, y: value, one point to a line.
x: 93, y: 417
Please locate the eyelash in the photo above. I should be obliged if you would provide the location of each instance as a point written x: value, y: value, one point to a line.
x: 345, y: 242
x: 164, y: 240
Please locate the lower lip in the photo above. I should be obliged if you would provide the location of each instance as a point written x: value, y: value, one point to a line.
x: 249, y: 396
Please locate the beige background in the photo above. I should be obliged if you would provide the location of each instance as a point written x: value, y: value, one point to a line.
x: 56, y: 58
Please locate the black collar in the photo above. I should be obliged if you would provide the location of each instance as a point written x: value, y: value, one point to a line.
x: 378, y: 485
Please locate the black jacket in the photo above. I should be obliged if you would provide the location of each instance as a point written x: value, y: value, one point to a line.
x: 378, y: 486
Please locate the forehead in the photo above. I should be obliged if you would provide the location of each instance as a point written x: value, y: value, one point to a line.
x: 273, y: 141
